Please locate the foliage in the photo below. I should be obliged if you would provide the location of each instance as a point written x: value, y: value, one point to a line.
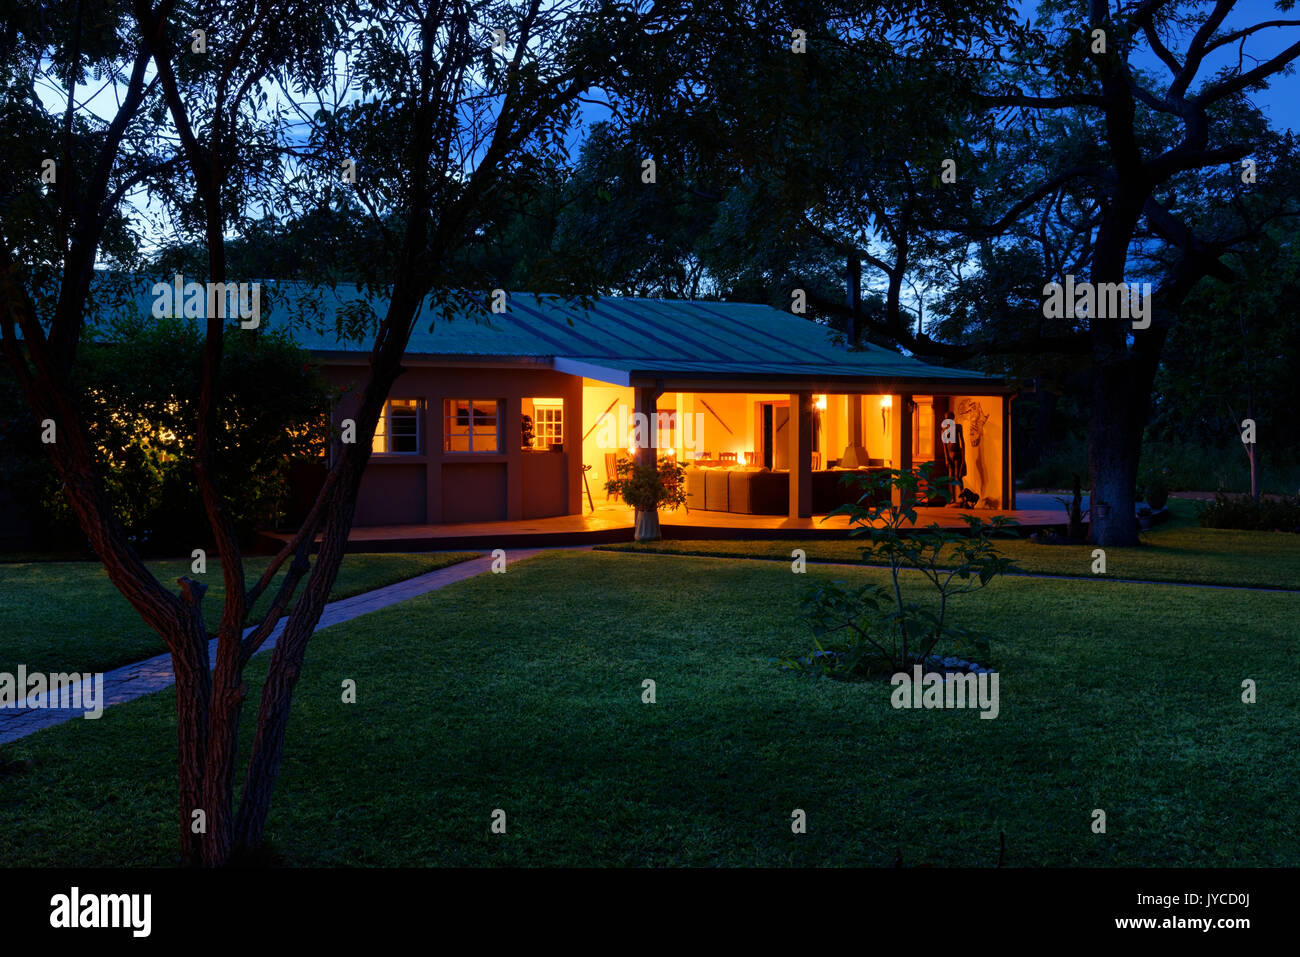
x: 647, y: 487
x: 1281, y: 514
x: 139, y: 391
x: 870, y: 629
x: 190, y: 151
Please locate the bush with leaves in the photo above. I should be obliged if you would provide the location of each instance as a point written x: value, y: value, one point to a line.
x: 871, y: 629
x: 1280, y: 514
x: 647, y: 487
x: 140, y: 390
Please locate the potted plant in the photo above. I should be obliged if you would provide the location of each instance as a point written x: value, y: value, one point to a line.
x: 1157, y: 494
x: 648, y: 488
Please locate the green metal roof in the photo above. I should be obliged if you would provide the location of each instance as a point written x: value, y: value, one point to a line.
x: 625, y: 336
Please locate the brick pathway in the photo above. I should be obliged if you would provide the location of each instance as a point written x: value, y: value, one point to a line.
x: 154, y: 674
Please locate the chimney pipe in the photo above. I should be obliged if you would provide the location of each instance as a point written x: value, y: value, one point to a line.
x: 855, y: 300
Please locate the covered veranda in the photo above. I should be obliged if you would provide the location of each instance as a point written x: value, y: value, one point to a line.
x: 779, y: 441
x: 613, y: 522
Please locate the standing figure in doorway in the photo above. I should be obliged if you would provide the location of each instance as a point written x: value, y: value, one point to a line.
x: 974, y: 413
x: 954, y: 454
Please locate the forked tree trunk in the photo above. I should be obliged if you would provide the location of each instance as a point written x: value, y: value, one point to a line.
x: 291, y: 647
x: 277, y: 700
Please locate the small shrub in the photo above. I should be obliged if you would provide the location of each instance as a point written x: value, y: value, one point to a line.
x: 872, y: 630
x: 1242, y: 512
x: 1157, y: 495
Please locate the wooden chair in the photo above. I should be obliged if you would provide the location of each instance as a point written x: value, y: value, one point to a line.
x: 611, y: 470
x: 816, y: 461
x: 727, y: 458
x: 586, y: 467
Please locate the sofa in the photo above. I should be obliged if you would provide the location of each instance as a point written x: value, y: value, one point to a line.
x: 760, y: 492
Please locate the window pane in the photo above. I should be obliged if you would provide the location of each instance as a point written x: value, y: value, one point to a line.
x: 470, y: 425
x: 550, y: 426
x: 398, y: 428
x: 405, y: 436
x: 455, y: 425
x: 484, y: 432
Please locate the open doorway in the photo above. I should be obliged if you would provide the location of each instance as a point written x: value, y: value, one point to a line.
x: 774, y: 416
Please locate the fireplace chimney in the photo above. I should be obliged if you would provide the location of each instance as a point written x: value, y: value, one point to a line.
x: 855, y: 300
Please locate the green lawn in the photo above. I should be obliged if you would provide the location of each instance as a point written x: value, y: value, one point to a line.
x: 1180, y: 551
x: 523, y: 692
x: 67, y: 616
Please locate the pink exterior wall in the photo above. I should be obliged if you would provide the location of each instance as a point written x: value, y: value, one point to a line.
x: 437, y: 487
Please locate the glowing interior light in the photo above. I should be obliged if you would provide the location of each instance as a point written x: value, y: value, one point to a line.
x: 886, y: 401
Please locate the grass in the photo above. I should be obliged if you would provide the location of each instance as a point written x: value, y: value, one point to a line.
x: 1179, y: 551
x: 67, y: 616
x: 523, y: 692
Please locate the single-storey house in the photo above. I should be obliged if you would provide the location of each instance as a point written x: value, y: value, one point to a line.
x: 521, y: 414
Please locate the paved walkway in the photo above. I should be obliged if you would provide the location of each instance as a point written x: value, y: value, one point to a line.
x: 154, y: 674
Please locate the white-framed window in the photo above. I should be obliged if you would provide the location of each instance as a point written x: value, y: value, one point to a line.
x: 548, y: 423
x: 400, y: 429
x: 471, y: 425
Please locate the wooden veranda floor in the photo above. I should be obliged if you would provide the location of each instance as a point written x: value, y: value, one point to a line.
x: 612, y: 522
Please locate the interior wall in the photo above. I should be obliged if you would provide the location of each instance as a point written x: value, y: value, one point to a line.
x: 728, y: 422
x: 878, y: 432
x: 596, y: 398
x: 981, y: 420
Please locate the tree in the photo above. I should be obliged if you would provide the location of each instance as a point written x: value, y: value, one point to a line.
x: 433, y: 117
x: 1060, y: 136
x: 1233, y: 357
x: 1161, y: 138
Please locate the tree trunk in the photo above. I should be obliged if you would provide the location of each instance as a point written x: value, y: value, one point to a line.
x: 228, y: 693
x: 1119, y: 400
x: 1075, y: 529
x: 190, y: 668
x: 1254, y: 475
x: 647, y: 525
x: 1252, y: 452
x: 268, y: 746
x: 1114, y: 447
x: 291, y: 647
x: 1045, y: 402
